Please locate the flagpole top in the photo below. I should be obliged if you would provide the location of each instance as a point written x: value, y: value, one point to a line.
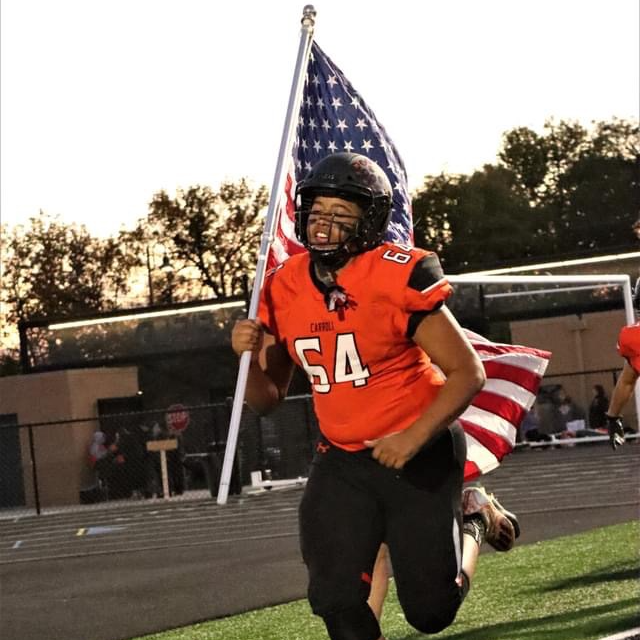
x: 308, y: 16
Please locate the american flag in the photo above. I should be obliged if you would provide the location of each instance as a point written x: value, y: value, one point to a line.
x: 491, y: 422
x: 334, y: 117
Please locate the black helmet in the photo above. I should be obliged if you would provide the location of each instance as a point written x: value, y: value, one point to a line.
x: 355, y: 178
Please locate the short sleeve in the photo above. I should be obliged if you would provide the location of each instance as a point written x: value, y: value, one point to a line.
x: 427, y: 287
x: 629, y: 345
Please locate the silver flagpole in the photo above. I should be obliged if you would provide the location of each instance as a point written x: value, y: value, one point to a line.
x: 304, y: 49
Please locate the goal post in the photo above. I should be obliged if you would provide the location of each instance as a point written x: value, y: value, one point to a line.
x: 597, y: 280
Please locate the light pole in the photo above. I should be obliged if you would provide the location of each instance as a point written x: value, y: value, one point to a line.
x: 149, y: 277
x: 167, y: 268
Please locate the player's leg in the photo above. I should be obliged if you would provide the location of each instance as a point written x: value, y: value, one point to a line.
x: 341, y: 531
x: 424, y: 534
x: 382, y: 571
x: 486, y: 519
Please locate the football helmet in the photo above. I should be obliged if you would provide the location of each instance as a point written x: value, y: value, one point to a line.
x: 355, y: 178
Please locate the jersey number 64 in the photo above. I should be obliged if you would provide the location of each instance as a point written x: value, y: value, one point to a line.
x: 347, y: 367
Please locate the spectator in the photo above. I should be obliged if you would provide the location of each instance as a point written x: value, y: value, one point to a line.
x: 598, y: 408
x: 97, y: 449
x: 572, y: 417
x: 531, y: 427
x: 108, y: 462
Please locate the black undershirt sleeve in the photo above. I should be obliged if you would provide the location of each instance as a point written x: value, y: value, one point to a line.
x: 425, y: 274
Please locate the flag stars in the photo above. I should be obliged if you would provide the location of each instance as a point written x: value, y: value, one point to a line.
x: 315, y: 80
x: 336, y: 103
x: 348, y: 146
x: 326, y: 125
x: 307, y: 166
x: 317, y: 147
x: 342, y: 125
x: 332, y: 146
x: 320, y: 103
x: 332, y: 82
x: 367, y: 145
x: 361, y: 124
x: 355, y: 102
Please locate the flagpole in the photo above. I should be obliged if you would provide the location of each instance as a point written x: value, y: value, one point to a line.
x: 304, y: 49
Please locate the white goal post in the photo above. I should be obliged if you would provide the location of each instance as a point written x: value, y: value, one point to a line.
x: 597, y: 280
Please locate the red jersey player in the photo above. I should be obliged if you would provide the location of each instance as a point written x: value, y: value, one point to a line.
x: 366, y: 320
x: 629, y: 349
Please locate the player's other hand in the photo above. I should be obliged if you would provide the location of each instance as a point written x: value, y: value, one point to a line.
x: 394, y: 450
x: 247, y: 335
x: 616, y: 431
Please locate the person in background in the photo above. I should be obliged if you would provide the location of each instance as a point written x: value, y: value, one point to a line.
x: 598, y: 408
x: 530, y: 427
x: 569, y: 411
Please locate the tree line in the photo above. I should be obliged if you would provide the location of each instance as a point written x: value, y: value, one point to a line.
x: 569, y: 191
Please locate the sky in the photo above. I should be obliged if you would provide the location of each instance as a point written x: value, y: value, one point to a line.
x: 104, y: 103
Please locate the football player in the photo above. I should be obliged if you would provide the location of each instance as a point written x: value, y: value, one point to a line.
x: 366, y: 320
x: 629, y: 349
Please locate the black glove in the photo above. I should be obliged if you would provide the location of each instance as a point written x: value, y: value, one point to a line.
x: 616, y: 431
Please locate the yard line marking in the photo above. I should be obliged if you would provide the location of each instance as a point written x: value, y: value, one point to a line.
x: 93, y: 531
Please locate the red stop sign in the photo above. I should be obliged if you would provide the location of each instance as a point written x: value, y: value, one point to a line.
x: 177, y: 417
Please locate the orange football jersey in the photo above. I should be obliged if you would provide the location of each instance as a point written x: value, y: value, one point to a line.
x: 368, y: 377
x: 629, y: 345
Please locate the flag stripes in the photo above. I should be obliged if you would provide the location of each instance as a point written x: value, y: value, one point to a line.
x: 514, y: 374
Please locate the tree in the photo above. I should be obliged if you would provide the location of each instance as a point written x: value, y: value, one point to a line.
x: 584, y: 184
x: 468, y: 219
x: 570, y: 191
x: 54, y: 269
x: 212, y: 236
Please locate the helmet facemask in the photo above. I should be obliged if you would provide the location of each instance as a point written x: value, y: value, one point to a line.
x: 353, y: 178
x: 348, y: 227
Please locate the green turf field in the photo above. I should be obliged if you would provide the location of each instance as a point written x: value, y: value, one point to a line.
x: 580, y: 587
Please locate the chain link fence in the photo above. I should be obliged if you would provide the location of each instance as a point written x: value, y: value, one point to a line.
x: 177, y: 453
x: 146, y: 455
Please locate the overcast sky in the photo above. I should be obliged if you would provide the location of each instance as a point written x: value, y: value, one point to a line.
x: 103, y: 103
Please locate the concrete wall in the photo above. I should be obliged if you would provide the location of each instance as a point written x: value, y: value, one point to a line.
x: 578, y: 343
x: 61, y: 450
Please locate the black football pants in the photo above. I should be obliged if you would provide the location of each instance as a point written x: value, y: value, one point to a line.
x: 352, y: 504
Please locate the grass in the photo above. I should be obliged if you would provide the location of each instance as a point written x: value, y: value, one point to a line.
x: 580, y: 587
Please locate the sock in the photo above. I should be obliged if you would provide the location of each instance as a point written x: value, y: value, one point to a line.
x: 474, y: 526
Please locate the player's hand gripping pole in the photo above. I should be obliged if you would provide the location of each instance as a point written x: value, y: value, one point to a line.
x: 286, y: 143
